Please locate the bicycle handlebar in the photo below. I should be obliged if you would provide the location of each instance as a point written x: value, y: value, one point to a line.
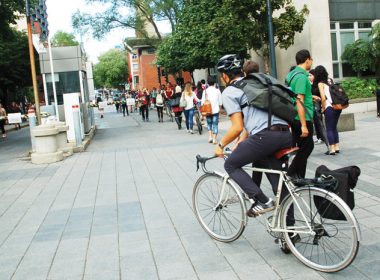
x: 203, y: 160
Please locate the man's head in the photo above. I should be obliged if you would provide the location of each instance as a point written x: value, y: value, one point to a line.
x: 210, y: 80
x: 304, y: 60
x: 230, y: 67
x: 250, y: 67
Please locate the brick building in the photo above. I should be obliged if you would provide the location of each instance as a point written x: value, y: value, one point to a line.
x: 144, y: 71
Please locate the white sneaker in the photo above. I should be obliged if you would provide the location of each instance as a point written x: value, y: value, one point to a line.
x: 318, y: 141
x: 191, y: 132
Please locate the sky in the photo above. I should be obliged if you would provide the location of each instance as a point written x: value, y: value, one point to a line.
x: 59, y: 18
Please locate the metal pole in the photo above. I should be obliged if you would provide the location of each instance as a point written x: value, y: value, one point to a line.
x: 53, y: 79
x: 32, y: 63
x: 77, y: 127
x: 32, y: 124
x: 271, y: 40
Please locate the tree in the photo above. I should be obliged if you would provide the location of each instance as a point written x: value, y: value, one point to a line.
x: 64, y: 39
x: 14, y: 65
x: 111, y: 70
x: 364, y: 55
x: 140, y: 13
x: 209, y: 29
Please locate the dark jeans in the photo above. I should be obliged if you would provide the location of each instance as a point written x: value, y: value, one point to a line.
x: 144, y: 112
x: 178, y: 119
x: 305, y: 145
x: 2, y: 123
x: 125, y: 108
x: 331, y: 119
x: 160, y: 112
x: 255, y: 149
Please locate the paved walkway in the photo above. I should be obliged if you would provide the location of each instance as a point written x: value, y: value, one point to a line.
x: 122, y: 210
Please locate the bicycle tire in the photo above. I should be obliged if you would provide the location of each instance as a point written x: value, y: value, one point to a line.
x: 199, y: 123
x: 233, y: 208
x: 321, y: 251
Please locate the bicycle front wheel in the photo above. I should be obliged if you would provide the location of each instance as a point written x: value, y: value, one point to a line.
x: 221, y: 212
x: 324, y: 243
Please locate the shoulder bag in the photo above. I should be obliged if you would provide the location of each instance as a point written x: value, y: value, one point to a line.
x: 206, y: 108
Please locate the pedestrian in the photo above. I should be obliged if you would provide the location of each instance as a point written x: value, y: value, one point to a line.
x: 100, y: 109
x: 143, y: 98
x: 177, y: 110
x: 3, y: 118
x: 378, y: 98
x: 160, y: 98
x: 168, y: 94
x: 117, y: 104
x: 331, y: 115
x: 124, y: 105
x: 317, y: 117
x: 213, y: 95
x: 302, y: 126
x: 199, y: 91
x: 189, y: 95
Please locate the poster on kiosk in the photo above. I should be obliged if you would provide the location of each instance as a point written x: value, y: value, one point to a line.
x: 70, y: 100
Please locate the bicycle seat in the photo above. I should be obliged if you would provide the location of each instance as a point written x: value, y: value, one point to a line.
x: 285, y: 153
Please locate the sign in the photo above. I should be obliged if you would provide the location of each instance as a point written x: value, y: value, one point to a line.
x: 130, y: 101
x: 14, y: 118
x: 102, y: 105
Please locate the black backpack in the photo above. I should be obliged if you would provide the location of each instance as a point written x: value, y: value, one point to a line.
x: 347, y: 178
x: 269, y: 94
x: 339, y: 97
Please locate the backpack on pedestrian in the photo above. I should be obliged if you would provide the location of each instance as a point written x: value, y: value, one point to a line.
x: 269, y: 94
x: 339, y: 97
x: 159, y: 99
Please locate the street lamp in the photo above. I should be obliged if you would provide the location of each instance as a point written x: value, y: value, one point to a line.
x: 271, y: 40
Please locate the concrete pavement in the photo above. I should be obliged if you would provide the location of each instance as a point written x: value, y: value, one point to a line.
x: 122, y: 209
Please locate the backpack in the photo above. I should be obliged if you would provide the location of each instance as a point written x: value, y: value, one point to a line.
x: 267, y: 93
x: 159, y: 99
x: 339, y: 97
x: 347, y: 177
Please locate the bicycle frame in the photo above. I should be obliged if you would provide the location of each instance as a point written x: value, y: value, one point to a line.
x: 275, y: 225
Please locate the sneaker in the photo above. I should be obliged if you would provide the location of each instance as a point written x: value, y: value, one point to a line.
x: 210, y: 140
x: 214, y: 142
x: 191, y: 132
x: 259, y: 208
x: 318, y: 141
x: 294, y: 237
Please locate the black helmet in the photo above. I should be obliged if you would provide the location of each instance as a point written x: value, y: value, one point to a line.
x: 228, y: 62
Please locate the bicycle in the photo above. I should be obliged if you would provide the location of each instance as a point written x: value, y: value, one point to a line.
x: 168, y: 111
x: 324, y: 245
x: 197, y: 116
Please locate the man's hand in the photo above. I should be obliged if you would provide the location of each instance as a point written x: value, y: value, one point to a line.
x: 218, y: 151
x: 304, y: 131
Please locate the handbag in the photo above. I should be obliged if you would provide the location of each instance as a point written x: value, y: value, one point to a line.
x: 175, y: 101
x: 182, y: 102
x: 206, y: 108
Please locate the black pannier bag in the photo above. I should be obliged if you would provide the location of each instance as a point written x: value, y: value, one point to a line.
x: 347, y: 178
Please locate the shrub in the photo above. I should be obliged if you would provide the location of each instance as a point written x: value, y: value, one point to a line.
x: 359, y: 88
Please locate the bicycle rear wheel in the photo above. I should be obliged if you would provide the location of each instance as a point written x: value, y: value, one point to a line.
x: 224, y: 221
x: 331, y: 245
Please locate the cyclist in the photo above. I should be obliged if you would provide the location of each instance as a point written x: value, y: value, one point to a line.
x: 256, y: 143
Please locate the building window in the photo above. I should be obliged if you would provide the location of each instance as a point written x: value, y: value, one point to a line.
x: 134, y: 56
x: 135, y: 67
x: 342, y: 34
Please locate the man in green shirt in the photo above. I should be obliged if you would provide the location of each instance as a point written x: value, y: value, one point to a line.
x: 302, y: 127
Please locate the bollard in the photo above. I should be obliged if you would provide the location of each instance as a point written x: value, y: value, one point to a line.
x: 32, y: 123
x: 77, y: 128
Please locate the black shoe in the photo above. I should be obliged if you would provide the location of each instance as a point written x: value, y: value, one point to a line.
x: 330, y: 153
x: 337, y: 151
x: 295, y: 238
x: 259, y: 208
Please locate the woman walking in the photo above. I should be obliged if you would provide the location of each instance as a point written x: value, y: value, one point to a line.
x: 213, y: 95
x: 160, y: 97
x: 3, y: 116
x: 331, y: 115
x: 189, y: 96
x: 177, y: 110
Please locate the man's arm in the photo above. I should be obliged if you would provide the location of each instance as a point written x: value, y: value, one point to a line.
x: 301, y: 114
x: 233, y: 132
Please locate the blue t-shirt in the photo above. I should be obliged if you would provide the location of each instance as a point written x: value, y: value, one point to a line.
x: 255, y: 119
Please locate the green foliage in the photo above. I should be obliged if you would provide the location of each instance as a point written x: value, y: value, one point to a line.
x: 64, y: 39
x: 114, y: 16
x: 360, y: 88
x: 359, y: 54
x: 365, y: 55
x: 142, y: 42
x: 111, y: 70
x: 208, y: 29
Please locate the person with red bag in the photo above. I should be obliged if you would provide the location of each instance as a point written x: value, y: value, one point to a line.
x: 143, y: 98
x: 214, y: 96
